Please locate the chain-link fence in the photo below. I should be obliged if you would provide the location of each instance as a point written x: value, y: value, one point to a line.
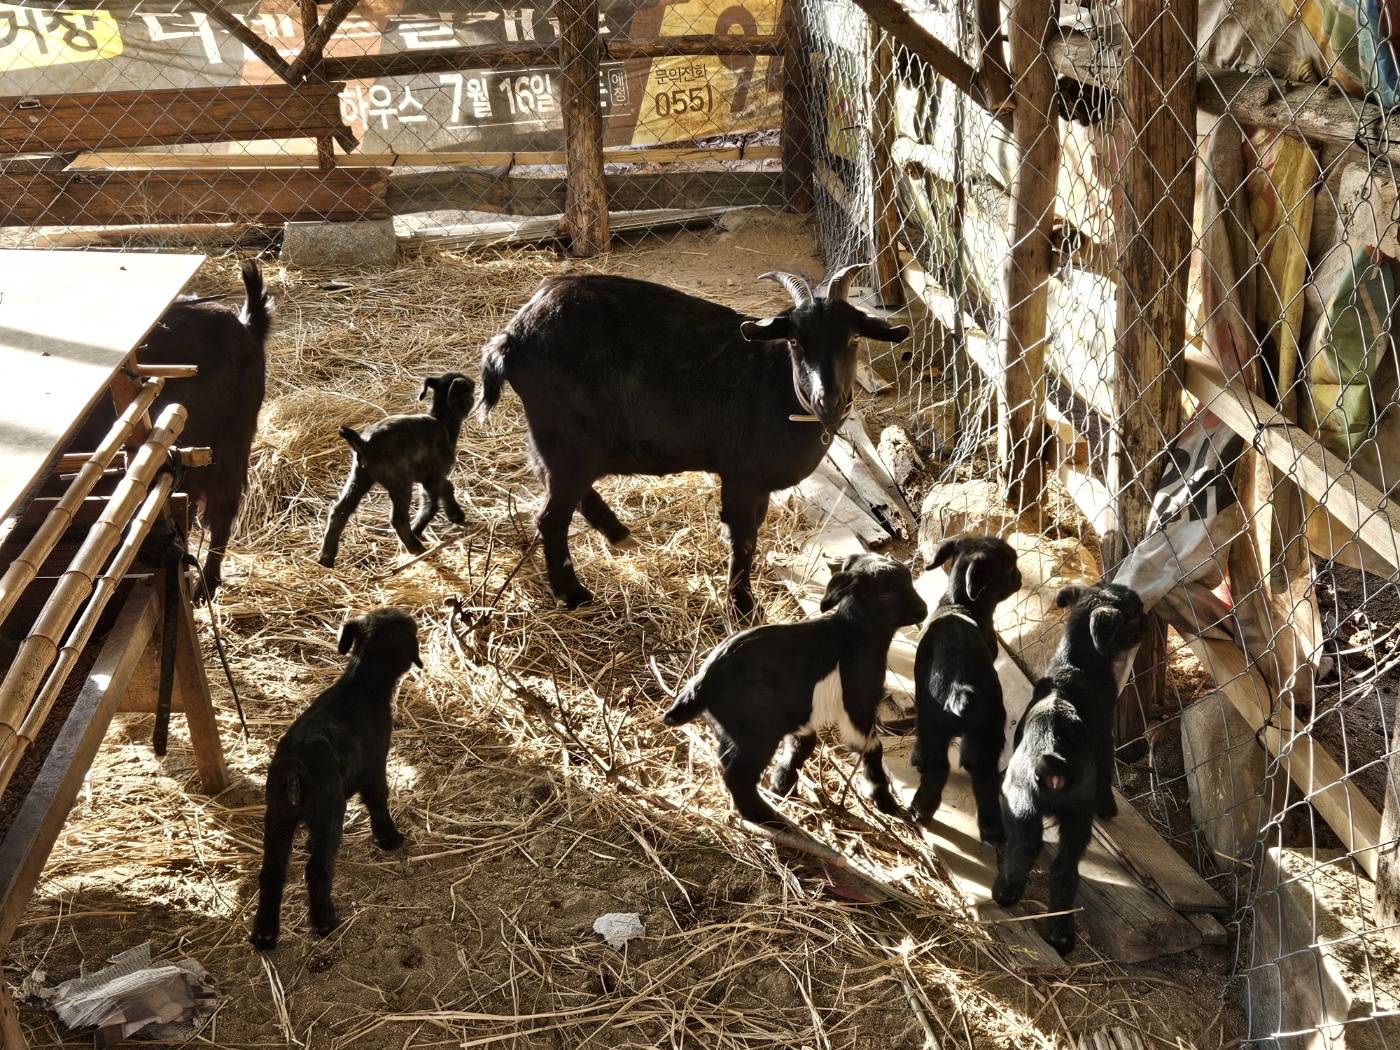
x: 458, y: 121
x: 1200, y: 402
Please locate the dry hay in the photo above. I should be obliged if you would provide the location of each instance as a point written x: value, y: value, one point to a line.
x: 535, y: 784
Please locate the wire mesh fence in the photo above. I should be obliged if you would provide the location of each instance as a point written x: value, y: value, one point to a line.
x: 1151, y: 284
x: 1236, y: 472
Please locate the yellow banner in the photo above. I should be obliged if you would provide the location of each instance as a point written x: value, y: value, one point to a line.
x: 31, y: 38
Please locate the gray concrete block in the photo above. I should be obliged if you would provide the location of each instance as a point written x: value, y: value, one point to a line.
x: 340, y: 245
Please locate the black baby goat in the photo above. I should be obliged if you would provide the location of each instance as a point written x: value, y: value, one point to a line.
x: 956, y: 689
x: 620, y: 376
x: 400, y: 452
x: 338, y: 747
x: 1062, y: 765
x: 789, y: 680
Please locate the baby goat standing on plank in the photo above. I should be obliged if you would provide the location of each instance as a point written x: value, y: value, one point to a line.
x: 1062, y: 765
x: 789, y: 680
x: 402, y: 451
x: 956, y: 689
x: 337, y: 748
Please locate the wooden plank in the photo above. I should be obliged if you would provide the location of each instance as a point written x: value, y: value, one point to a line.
x: 60, y: 360
x: 515, y: 159
x: 529, y: 56
x: 126, y: 119
x: 1035, y: 127
x: 825, y: 504
x: 1357, y: 504
x: 494, y: 191
x: 894, y: 18
x: 1321, y: 778
x: 585, y: 221
x: 41, y: 815
x: 1212, y: 932
x: 97, y: 198
x: 796, y: 135
x: 11, y: 1035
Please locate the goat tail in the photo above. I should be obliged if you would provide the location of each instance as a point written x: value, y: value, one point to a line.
x: 353, y: 439
x: 687, y: 707
x: 493, y: 371
x: 257, y: 307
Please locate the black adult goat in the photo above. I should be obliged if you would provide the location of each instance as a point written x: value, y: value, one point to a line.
x: 620, y: 376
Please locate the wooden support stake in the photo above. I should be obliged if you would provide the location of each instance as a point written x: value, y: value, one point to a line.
x: 885, y: 196
x: 311, y: 27
x: 796, y: 137
x: 248, y: 38
x: 992, y: 76
x: 315, y: 35
x: 586, y: 200
x: 1387, y: 909
x: 1158, y: 100
x: 1021, y: 421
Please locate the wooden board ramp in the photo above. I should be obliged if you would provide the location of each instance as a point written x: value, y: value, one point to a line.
x: 1140, y: 899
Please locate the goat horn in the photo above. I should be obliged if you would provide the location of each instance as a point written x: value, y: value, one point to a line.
x: 797, y: 287
x: 838, y: 285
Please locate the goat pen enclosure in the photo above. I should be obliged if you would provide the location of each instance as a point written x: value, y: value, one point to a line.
x: 1147, y: 252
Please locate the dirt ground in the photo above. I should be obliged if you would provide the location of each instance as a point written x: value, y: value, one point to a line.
x: 529, y: 772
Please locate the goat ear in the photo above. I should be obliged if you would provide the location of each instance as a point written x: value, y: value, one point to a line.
x: 767, y: 328
x: 428, y: 384
x: 881, y: 330
x: 1104, y: 624
x: 838, y: 587
x: 945, y: 550
x: 349, y: 635
x: 461, y: 389
x: 978, y: 576
x: 1070, y: 595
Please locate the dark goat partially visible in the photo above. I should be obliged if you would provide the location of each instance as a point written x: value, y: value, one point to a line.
x: 338, y: 747
x: 956, y: 689
x: 400, y: 452
x: 789, y: 680
x: 620, y: 376
x: 1062, y: 765
x: 223, y: 400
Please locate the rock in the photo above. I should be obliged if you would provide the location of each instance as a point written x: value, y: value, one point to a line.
x: 1226, y: 773
x: 1317, y: 965
x: 936, y: 425
x: 898, y: 454
x: 951, y: 508
x: 366, y: 245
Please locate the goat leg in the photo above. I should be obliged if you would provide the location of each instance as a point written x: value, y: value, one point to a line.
x: 375, y: 795
x: 427, y: 511
x: 324, y: 841
x: 796, y: 750
x: 553, y: 527
x: 742, y: 773
x: 1024, y: 837
x: 877, y: 782
x: 219, y: 513
x: 278, y: 829
x: 1106, y: 806
x: 450, y: 506
x: 1064, y: 879
x: 400, y: 503
x: 356, y: 485
x: 742, y: 511
x: 933, y: 777
x: 598, y: 514
x: 980, y: 758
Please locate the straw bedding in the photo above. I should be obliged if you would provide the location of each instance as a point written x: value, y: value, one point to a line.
x: 536, y: 786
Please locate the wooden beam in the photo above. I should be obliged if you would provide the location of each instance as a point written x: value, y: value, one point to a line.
x: 524, y: 56
x: 492, y: 191
x: 117, y: 120
x: 315, y: 36
x: 1357, y: 504
x: 993, y: 78
x: 795, y: 137
x: 310, y: 24
x: 1320, y: 113
x: 1020, y: 385
x: 585, y: 220
x: 884, y: 197
x: 894, y: 18
x: 41, y: 815
x: 1387, y: 907
x: 1321, y: 778
x: 99, y: 198
x: 248, y: 38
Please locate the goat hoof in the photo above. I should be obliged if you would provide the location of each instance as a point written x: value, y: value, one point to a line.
x: 389, y: 843
x: 1061, y: 940
x: 323, y: 926
x: 263, y: 940
x: 328, y: 560
x: 574, y: 599
x: 201, y: 595
x: 992, y: 834
x: 625, y: 542
x: 1108, y: 809
x: 1005, y: 894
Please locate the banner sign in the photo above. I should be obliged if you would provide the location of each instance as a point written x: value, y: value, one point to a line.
x: 130, y: 45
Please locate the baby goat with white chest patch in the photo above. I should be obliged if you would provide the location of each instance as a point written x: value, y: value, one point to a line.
x: 400, y: 452
x: 789, y: 680
x: 1062, y: 765
x: 956, y: 689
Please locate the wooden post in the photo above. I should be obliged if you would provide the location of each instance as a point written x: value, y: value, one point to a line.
x: 884, y: 197
x: 796, y: 135
x: 586, y: 196
x: 310, y: 28
x: 1035, y: 126
x: 11, y: 1035
x: 991, y: 69
x: 1158, y: 100
x: 1387, y: 910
